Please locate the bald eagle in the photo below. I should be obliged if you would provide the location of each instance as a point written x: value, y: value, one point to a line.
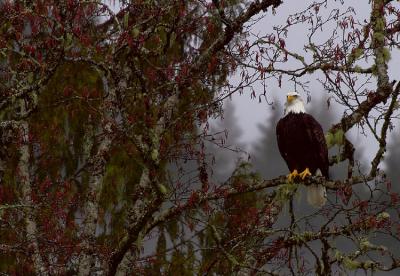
x: 302, y: 144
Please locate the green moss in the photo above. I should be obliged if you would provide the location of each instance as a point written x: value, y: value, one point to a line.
x: 368, y: 265
x: 383, y: 216
x: 379, y: 37
x: 351, y: 264
x: 357, y: 69
x: 380, y: 24
x: 396, y: 105
x: 374, y: 70
x: 365, y: 244
x: 135, y: 32
x: 285, y: 191
x: 329, y: 138
x: 358, y: 53
x: 126, y: 19
x: 336, y: 138
x: 355, y: 54
x: 308, y: 235
x: 338, y: 255
x: 339, y: 137
x: 386, y: 54
x: 162, y: 189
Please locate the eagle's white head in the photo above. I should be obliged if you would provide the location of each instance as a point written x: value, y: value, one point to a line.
x: 294, y: 103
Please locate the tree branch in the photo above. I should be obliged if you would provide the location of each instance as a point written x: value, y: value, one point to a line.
x: 96, y: 167
x: 230, y: 31
x: 26, y: 191
x: 382, y: 140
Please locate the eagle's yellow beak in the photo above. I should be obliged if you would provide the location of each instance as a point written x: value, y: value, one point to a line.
x: 290, y: 98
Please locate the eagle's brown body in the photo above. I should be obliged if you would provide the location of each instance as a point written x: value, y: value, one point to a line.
x: 301, y: 142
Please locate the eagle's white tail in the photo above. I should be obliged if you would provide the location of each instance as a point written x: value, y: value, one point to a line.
x: 316, y: 195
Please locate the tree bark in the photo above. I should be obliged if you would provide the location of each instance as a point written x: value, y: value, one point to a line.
x: 26, y: 190
x: 97, y: 166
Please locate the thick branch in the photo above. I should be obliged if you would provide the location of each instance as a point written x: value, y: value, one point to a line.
x: 96, y: 168
x: 347, y: 122
x: 140, y: 213
x: 378, y: 43
x: 90, y: 210
x: 26, y: 191
x: 226, y: 192
x: 385, y: 126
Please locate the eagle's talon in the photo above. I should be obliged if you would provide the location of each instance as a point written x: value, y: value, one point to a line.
x: 292, y: 176
x: 305, y: 173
